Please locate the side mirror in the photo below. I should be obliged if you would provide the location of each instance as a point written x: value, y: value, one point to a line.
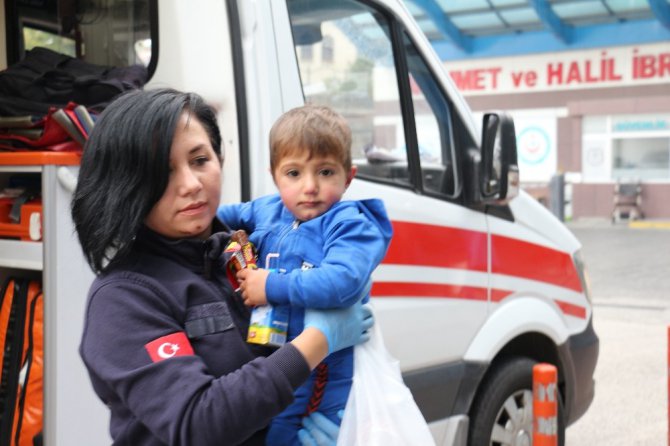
x: 499, y: 171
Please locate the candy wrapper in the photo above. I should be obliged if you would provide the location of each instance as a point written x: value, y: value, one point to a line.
x: 268, y: 324
x: 242, y: 255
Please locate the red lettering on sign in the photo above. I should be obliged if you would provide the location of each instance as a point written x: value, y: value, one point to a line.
x: 573, y: 74
x: 589, y: 77
x: 476, y: 79
x: 555, y: 73
x: 531, y: 78
x: 564, y: 71
x: 528, y: 78
x: 664, y: 65
x: 647, y: 66
x: 494, y: 76
x: 516, y: 78
x: 609, y: 68
x: 578, y: 72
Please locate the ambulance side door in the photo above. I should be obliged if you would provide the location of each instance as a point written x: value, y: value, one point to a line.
x: 409, y: 142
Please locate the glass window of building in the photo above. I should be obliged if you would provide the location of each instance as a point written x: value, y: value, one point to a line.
x: 641, y: 159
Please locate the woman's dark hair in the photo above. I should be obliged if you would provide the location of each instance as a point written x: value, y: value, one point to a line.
x: 125, y: 168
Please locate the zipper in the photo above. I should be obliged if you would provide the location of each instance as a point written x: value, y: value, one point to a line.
x: 286, y: 230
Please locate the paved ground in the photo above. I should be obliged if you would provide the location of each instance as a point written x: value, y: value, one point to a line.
x: 626, y: 263
x: 629, y: 270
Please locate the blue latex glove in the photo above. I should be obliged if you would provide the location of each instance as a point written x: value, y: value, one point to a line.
x: 343, y: 327
x: 319, y: 431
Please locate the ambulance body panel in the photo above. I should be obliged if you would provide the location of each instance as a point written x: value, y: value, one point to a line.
x: 476, y: 277
x: 459, y: 284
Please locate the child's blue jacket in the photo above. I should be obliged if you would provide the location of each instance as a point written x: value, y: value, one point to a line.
x: 325, y: 262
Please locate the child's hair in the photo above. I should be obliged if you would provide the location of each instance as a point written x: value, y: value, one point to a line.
x: 318, y: 129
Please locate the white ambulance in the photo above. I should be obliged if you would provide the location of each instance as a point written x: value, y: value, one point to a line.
x: 480, y: 283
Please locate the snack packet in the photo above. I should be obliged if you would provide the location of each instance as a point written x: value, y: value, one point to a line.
x: 268, y: 324
x: 243, y: 255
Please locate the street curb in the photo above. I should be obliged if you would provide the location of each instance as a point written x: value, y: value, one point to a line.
x: 649, y: 224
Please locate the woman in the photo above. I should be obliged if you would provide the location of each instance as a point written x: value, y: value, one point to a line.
x: 164, y: 337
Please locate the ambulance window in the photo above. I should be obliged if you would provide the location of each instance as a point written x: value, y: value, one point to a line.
x: 112, y: 33
x: 432, y: 119
x: 352, y: 69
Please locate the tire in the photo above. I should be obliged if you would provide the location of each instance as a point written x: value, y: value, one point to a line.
x: 508, y: 386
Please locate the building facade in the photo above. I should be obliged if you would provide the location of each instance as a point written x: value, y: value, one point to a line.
x: 589, y: 90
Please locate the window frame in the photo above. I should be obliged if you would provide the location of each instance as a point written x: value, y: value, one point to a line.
x: 450, y: 130
x: 397, y: 30
x: 14, y: 34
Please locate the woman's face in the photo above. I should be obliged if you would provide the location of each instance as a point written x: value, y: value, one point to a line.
x: 191, y: 198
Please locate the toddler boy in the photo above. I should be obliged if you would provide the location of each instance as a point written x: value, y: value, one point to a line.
x: 315, y: 250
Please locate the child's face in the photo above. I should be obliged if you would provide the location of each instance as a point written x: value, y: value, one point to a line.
x: 192, y: 195
x: 310, y: 186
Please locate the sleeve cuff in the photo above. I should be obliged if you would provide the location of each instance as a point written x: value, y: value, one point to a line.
x: 276, y: 289
x: 292, y: 364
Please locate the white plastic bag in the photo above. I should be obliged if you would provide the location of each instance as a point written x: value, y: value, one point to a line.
x: 380, y: 410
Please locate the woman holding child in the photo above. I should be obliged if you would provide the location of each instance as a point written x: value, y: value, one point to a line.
x: 164, y: 336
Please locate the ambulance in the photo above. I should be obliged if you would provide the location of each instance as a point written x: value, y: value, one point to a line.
x: 480, y: 282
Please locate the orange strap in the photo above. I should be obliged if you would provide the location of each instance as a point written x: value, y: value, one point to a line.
x: 30, y: 408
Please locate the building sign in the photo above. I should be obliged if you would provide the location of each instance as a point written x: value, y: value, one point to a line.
x: 536, y: 147
x: 641, y: 123
x: 600, y: 68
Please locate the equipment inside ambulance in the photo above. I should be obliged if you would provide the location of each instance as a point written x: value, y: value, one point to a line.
x: 481, y: 282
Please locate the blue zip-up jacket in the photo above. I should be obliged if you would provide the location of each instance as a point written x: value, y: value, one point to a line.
x: 325, y: 262
x: 321, y: 263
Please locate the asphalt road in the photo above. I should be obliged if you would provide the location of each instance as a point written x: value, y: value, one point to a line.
x: 629, y: 271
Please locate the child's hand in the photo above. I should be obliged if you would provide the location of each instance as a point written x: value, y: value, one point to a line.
x: 252, y: 286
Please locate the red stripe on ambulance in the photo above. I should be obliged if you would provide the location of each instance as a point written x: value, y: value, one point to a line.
x: 571, y: 309
x: 402, y: 289
x: 514, y: 257
x: 441, y: 246
x: 498, y: 295
x: 449, y: 247
x: 451, y: 291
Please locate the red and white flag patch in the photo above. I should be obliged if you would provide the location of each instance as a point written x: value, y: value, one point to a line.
x: 169, y: 346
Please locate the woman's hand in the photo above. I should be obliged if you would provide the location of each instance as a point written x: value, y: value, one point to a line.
x: 319, y: 431
x: 252, y: 286
x: 327, y: 331
x: 342, y: 327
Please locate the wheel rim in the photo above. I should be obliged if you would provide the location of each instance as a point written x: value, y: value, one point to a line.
x: 514, y: 423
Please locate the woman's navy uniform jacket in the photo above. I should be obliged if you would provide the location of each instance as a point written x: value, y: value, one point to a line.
x: 164, y: 344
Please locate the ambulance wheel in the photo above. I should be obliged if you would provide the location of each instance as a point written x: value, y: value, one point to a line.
x: 502, y: 413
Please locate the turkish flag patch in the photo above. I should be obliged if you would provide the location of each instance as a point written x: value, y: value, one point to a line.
x: 169, y: 346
